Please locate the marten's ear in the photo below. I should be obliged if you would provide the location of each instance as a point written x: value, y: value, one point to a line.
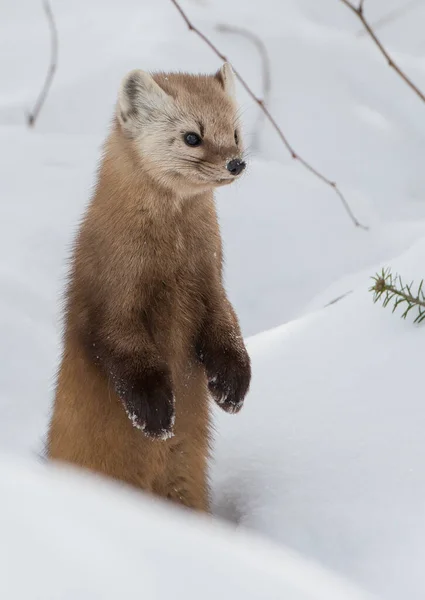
x: 139, y: 100
x: 227, y: 79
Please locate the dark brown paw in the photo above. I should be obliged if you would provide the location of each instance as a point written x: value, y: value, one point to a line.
x: 229, y: 375
x: 149, y: 404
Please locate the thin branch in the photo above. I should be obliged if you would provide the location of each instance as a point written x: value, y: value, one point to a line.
x: 265, y: 71
x: 360, y: 14
x: 33, y: 115
x: 338, y: 298
x: 391, y: 16
x: 272, y: 121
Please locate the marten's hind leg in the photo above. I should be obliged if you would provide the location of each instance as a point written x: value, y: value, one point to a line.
x: 185, y: 480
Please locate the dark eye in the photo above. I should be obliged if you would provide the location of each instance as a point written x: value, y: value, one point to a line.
x: 192, y: 139
x: 236, y: 138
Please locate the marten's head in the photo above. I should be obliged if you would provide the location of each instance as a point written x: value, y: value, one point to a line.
x: 183, y: 128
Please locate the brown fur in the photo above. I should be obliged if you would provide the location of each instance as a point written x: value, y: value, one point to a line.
x: 148, y: 327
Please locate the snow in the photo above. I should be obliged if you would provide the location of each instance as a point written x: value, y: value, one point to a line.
x: 325, y: 457
x: 334, y: 421
x: 81, y: 538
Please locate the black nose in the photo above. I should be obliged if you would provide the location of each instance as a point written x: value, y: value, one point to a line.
x: 236, y: 166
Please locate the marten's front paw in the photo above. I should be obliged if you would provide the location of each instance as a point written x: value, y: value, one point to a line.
x: 229, y: 376
x: 150, y: 405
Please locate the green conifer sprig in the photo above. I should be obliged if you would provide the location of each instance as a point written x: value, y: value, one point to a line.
x: 390, y: 289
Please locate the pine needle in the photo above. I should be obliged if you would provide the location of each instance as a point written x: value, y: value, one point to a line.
x: 390, y: 289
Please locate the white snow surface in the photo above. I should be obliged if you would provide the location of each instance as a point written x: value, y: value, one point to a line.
x: 326, y: 456
x: 66, y: 536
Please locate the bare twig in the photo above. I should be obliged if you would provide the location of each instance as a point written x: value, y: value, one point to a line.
x: 360, y: 14
x: 32, y: 116
x: 338, y: 298
x: 391, y: 16
x: 265, y: 62
x: 272, y: 121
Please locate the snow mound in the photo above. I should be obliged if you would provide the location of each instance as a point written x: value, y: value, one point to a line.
x: 67, y: 536
x: 327, y: 454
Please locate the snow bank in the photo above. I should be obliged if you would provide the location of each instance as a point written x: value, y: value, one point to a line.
x: 327, y: 455
x: 66, y: 536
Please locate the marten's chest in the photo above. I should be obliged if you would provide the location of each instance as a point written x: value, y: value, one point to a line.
x: 183, y: 250
x: 183, y: 269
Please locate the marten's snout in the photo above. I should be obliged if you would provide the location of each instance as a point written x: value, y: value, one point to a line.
x: 236, y: 166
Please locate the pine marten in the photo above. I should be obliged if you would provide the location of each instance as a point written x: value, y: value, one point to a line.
x: 149, y: 332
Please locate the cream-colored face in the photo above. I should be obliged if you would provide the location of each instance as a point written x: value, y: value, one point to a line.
x: 184, y: 127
